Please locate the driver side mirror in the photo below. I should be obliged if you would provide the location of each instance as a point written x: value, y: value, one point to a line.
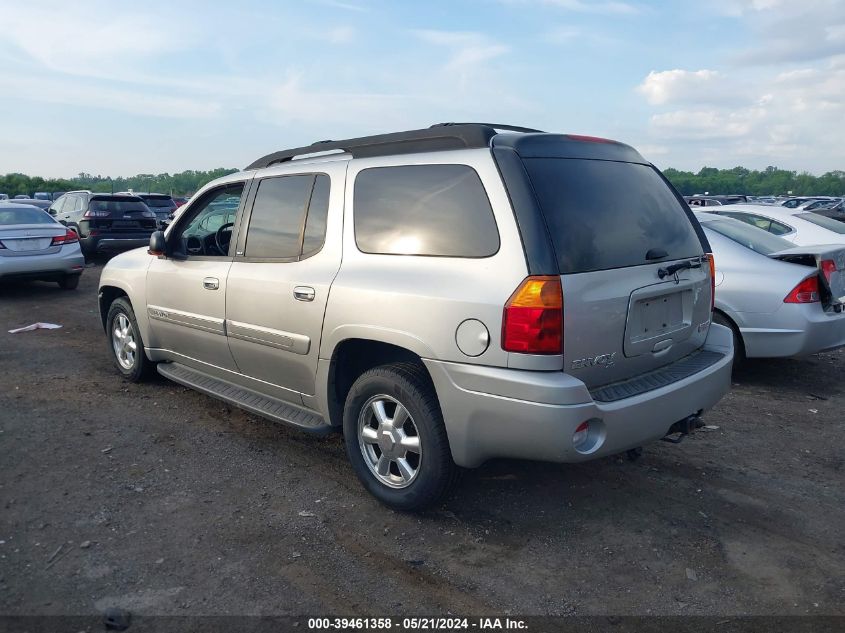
x: 51, y: 211
x: 158, y: 245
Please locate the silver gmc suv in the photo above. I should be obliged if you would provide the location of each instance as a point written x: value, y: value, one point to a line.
x: 443, y: 296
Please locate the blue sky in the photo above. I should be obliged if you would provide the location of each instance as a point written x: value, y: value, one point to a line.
x: 118, y: 88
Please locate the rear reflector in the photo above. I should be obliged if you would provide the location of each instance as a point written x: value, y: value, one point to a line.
x: 532, y: 322
x: 712, y: 261
x: 70, y: 237
x: 805, y: 292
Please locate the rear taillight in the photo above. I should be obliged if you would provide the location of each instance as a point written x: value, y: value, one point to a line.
x: 533, y: 317
x: 712, y: 261
x: 91, y: 213
x: 828, y: 268
x: 70, y: 237
x: 805, y: 292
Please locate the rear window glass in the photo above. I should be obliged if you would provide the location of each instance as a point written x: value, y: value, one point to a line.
x: 751, y: 237
x: 24, y: 216
x: 828, y: 223
x: 440, y: 210
x: 159, y: 203
x: 606, y: 214
x: 116, y: 203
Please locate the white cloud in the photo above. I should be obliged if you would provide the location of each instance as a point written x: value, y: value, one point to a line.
x: 679, y: 85
x: 610, y: 7
x: 468, y: 49
x: 95, y: 42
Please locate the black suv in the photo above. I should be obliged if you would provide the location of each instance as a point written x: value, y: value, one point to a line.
x: 105, y: 222
x: 161, y: 204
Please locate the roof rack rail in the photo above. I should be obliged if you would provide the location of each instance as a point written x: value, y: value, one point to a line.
x: 496, y: 126
x: 439, y: 137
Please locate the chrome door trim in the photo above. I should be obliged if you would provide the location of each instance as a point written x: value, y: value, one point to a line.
x: 187, y: 319
x: 289, y: 341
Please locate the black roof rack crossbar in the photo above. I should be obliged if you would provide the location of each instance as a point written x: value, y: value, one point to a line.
x: 496, y: 126
x: 440, y: 137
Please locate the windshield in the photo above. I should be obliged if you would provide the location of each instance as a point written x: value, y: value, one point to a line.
x: 828, y: 223
x: 748, y: 236
x: 24, y: 216
x: 605, y: 214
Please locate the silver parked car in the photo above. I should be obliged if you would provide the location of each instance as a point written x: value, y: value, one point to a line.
x: 34, y: 246
x: 779, y: 299
x: 409, y: 289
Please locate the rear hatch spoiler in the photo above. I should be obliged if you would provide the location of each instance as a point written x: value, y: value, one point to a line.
x: 829, y: 260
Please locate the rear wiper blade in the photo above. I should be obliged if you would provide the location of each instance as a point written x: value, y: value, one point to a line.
x: 674, y: 268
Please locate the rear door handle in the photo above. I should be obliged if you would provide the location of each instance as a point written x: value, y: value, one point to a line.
x: 211, y: 283
x: 303, y: 293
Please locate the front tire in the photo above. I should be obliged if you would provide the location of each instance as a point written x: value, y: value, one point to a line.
x: 395, y: 437
x: 125, y: 343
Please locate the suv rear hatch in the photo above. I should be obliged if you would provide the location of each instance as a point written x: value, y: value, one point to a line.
x: 119, y: 214
x: 631, y: 257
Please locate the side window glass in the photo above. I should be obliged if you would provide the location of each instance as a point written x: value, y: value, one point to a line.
x: 207, y: 230
x: 315, y: 222
x: 278, y: 216
x: 440, y: 210
x: 56, y: 207
x: 779, y: 229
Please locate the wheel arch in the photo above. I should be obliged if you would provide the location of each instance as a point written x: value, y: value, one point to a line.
x: 353, y: 356
x: 731, y: 322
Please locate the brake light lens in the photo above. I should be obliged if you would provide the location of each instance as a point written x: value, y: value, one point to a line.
x: 828, y: 268
x: 805, y: 292
x: 712, y: 261
x: 532, y: 322
x: 92, y: 213
x: 589, y: 139
x: 70, y: 237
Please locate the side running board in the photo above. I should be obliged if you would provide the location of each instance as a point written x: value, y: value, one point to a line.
x: 267, y: 407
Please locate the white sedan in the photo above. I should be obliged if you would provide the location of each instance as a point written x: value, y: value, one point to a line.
x: 34, y: 246
x: 802, y: 228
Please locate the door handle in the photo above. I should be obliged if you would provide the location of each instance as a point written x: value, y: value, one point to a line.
x: 303, y: 293
x: 211, y: 283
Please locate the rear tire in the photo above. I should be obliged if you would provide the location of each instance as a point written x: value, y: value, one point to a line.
x: 69, y: 282
x: 395, y: 437
x: 125, y: 343
x: 739, y: 346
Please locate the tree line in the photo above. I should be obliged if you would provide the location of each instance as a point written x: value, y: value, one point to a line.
x: 770, y: 181
x: 181, y: 184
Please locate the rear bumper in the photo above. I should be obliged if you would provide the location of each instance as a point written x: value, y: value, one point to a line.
x: 794, y: 330
x: 114, y: 243
x: 495, y: 412
x: 68, y: 261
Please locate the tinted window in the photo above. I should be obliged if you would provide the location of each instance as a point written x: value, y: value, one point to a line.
x: 828, y: 223
x: 159, y: 203
x: 275, y: 226
x: 24, y: 216
x: 604, y: 214
x: 424, y: 210
x: 315, y: 223
x: 749, y: 236
x: 114, y: 204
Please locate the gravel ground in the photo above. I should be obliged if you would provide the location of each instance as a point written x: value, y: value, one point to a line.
x: 164, y: 501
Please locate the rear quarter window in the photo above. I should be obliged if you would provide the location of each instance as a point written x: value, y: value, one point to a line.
x: 830, y: 224
x: 439, y: 210
x: 608, y: 214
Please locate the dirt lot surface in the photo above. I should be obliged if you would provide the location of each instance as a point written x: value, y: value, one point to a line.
x: 165, y: 501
